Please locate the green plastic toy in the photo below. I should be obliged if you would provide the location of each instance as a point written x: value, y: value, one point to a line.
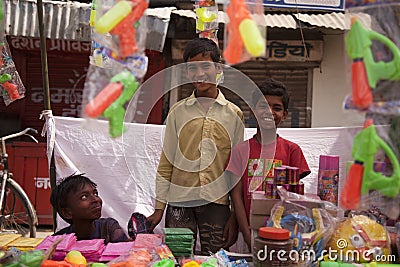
x: 362, y: 178
x: 365, y: 71
x: 115, y: 112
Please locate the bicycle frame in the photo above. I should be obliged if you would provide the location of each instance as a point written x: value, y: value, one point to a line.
x: 6, y: 175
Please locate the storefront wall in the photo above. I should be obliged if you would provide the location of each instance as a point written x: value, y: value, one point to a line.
x: 331, y: 84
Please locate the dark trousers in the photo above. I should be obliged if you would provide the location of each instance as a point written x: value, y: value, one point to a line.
x: 209, y: 219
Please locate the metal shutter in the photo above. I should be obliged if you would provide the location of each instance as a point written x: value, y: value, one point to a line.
x: 295, y: 78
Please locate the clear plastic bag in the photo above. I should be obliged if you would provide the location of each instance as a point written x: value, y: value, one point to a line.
x: 373, y: 51
x: 245, y: 35
x: 11, y: 86
x: 310, y: 221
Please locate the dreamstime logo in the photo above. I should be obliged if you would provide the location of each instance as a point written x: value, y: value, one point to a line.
x: 375, y: 254
x: 201, y: 157
x: 341, y: 243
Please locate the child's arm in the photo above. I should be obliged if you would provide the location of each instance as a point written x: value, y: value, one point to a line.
x: 238, y: 203
x: 116, y: 232
x: 298, y: 160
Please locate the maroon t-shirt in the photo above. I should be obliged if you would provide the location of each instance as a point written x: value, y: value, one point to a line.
x: 248, y: 154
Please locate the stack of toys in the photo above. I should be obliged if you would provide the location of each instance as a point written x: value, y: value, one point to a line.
x: 180, y: 241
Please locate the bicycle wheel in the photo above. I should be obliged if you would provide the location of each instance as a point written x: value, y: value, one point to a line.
x: 18, y: 214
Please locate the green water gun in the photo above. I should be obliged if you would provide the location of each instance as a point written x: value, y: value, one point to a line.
x: 365, y: 71
x: 111, y: 100
x: 362, y: 178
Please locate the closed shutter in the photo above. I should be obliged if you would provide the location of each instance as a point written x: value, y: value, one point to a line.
x: 295, y: 78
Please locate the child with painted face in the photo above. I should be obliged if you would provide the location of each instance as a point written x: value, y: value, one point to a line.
x: 270, y: 107
x: 78, y: 203
x: 200, y: 132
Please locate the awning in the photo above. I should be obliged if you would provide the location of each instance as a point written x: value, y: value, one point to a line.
x: 70, y: 20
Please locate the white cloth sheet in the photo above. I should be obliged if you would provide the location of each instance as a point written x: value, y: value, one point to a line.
x: 124, y: 168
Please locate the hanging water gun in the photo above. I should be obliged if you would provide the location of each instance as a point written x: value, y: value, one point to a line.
x: 121, y: 20
x: 362, y: 178
x: 111, y: 100
x: 365, y: 71
x: 11, y: 88
x: 204, y: 16
x: 243, y: 33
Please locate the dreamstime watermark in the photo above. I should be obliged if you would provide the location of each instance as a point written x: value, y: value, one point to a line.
x: 366, y: 255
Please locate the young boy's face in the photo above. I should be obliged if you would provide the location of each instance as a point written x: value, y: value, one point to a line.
x: 202, y: 72
x: 270, y: 105
x: 84, y: 204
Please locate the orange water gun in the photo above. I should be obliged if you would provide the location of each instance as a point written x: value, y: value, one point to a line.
x: 121, y: 20
x: 11, y: 88
x: 365, y: 71
x: 243, y: 33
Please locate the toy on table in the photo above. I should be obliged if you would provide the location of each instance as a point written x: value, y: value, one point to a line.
x: 75, y: 258
x: 120, y: 21
x: 306, y: 232
x: 365, y: 71
x: 242, y: 33
x: 111, y: 100
x: 362, y: 178
x: 360, y: 240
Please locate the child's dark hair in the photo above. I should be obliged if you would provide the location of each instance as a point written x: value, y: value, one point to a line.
x: 272, y: 87
x: 201, y: 46
x: 60, y: 194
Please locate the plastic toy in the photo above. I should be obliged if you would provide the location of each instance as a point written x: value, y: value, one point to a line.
x: 113, y: 17
x: 204, y: 16
x: 32, y: 258
x: 110, y: 102
x: 306, y: 232
x: 75, y: 258
x: 121, y: 20
x: 362, y: 178
x: 365, y: 71
x: 243, y: 33
x: 51, y: 263
x: 11, y: 89
x: 165, y: 263
x: 359, y: 239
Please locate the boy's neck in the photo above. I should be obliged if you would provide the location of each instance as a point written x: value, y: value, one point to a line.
x: 206, y: 100
x: 266, y: 137
x: 211, y: 93
x: 84, y: 229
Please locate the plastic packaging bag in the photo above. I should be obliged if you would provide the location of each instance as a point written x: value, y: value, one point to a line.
x: 372, y: 46
x: 11, y: 86
x: 245, y: 35
x: 309, y: 220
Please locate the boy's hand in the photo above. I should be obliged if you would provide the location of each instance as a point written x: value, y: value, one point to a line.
x: 247, y: 238
x: 155, y: 219
x: 230, y: 231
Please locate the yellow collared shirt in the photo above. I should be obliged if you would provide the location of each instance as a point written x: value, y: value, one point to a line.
x: 196, y: 149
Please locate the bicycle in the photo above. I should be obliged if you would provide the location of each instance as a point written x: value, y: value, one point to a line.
x: 17, y: 214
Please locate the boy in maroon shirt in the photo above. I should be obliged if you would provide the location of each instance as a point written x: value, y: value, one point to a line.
x: 270, y: 107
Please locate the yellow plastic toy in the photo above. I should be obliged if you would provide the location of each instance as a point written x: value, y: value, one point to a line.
x: 75, y: 258
x: 360, y: 239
